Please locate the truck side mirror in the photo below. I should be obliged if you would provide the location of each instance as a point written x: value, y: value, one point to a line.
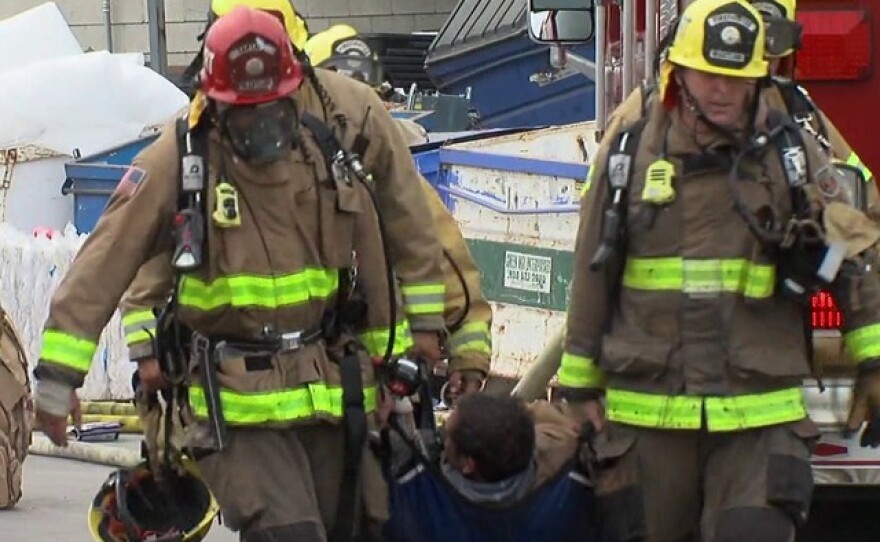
x: 557, y: 26
x: 562, y: 5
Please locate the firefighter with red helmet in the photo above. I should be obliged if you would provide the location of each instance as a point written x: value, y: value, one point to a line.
x: 283, y: 319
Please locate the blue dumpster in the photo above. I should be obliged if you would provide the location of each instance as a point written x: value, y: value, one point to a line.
x: 92, y: 179
x: 484, y: 48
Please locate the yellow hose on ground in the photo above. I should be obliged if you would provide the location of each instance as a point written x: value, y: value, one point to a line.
x: 98, y: 454
x: 130, y: 424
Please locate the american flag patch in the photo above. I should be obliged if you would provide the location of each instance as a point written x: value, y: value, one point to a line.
x: 130, y: 182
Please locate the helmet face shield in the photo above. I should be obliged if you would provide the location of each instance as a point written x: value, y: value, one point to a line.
x: 783, y: 30
x: 363, y: 69
x: 783, y: 36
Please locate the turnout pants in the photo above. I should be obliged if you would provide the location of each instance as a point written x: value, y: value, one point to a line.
x: 694, y: 486
x: 283, y: 484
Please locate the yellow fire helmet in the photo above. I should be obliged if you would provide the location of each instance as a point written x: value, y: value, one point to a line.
x: 295, y: 25
x: 320, y: 46
x: 783, y: 30
x: 132, y: 506
x: 724, y: 38
x: 341, y: 49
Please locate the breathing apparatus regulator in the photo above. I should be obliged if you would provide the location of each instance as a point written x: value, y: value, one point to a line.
x: 807, y: 261
x: 403, y: 377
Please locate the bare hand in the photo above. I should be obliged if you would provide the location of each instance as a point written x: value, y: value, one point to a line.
x: 426, y: 345
x: 151, y: 376
x: 384, y: 406
x: 55, y: 427
x: 462, y: 382
x: 595, y: 412
x: 591, y: 411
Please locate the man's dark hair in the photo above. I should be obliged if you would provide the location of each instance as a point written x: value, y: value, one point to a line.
x: 498, y: 433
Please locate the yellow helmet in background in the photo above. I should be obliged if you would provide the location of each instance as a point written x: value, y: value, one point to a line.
x: 132, y: 506
x: 777, y: 8
x: 319, y: 47
x: 295, y: 25
x: 783, y: 30
x: 341, y: 49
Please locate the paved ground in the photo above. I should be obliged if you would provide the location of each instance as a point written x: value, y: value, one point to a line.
x: 57, y: 494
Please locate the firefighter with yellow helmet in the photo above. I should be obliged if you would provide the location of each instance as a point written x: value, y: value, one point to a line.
x: 467, y: 313
x: 783, y: 42
x: 701, y: 235
x: 339, y: 48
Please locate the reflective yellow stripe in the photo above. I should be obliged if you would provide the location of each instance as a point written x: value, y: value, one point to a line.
x: 756, y: 410
x: 259, y: 291
x: 424, y: 298
x: 471, y: 337
x: 863, y: 343
x: 139, y: 326
x: 854, y: 160
x: 722, y: 413
x: 376, y: 340
x: 579, y: 372
x: 646, y: 410
x: 700, y: 276
x: 68, y: 350
x: 278, y: 406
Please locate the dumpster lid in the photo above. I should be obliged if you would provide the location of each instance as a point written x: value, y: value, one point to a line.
x: 475, y: 23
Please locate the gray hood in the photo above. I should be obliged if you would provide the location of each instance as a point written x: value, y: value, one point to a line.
x: 503, y: 493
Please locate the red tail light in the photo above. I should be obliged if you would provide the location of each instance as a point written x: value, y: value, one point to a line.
x: 836, y: 44
x: 824, y: 312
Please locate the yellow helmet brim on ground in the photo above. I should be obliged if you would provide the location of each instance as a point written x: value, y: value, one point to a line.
x: 197, y: 527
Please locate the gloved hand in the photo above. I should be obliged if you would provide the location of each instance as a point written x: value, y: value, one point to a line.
x: 866, y: 406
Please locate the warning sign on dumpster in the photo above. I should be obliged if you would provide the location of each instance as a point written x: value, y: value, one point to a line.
x: 527, y: 272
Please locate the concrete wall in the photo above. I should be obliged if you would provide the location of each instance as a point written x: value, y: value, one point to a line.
x: 185, y: 20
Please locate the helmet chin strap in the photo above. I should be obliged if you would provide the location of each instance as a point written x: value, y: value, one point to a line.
x: 690, y: 103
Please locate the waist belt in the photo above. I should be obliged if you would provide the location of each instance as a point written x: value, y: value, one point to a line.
x: 258, y: 354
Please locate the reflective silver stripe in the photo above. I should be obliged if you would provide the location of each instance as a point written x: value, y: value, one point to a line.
x: 424, y: 298
x: 472, y: 336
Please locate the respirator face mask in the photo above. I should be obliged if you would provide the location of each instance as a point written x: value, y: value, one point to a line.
x: 262, y: 133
